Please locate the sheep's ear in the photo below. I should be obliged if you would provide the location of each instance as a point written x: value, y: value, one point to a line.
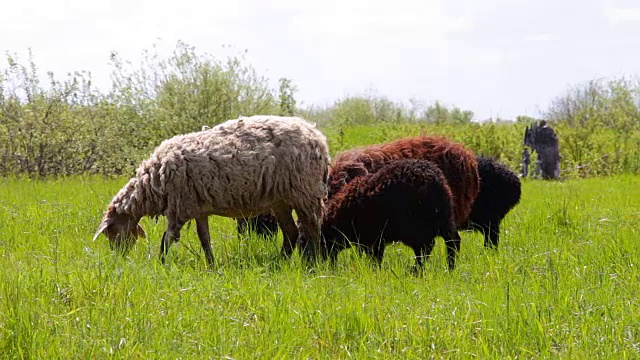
x: 141, y: 232
x: 103, y: 225
x: 355, y: 170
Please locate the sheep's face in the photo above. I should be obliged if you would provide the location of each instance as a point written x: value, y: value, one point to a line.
x: 331, y: 243
x: 121, y: 230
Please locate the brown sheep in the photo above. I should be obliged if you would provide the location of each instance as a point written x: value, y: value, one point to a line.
x: 500, y: 191
x: 406, y: 200
x: 456, y: 162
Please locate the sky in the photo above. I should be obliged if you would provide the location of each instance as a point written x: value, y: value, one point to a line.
x: 498, y: 58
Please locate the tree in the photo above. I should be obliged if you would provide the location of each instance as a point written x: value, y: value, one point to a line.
x: 599, y: 108
x: 440, y: 114
x: 287, y: 101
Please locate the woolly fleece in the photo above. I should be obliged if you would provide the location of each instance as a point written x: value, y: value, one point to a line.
x: 242, y: 167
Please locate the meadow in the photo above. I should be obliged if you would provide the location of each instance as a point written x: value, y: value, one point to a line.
x: 564, y: 284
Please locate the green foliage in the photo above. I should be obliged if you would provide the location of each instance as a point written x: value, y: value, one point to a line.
x: 68, y: 127
x: 372, y: 109
x: 439, y: 114
x: 361, y: 110
x: 182, y: 93
x: 287, y: 100
x: 52, y: 131
x: 599, y: 127
x: 502, y: 141
x: 63, y: 127
x: 563, y: 284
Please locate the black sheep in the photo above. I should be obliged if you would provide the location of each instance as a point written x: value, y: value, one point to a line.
x: 407, y: 200
x: 499, y: 193
x: 264, y: 225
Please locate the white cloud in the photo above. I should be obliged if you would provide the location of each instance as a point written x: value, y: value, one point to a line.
x: 451, y: 50
x: 616, y: 15
x: 74, y: 35
x: 367, y: 39
x: 540, y: 37
x: 472, y: 56
x: 376, y: 22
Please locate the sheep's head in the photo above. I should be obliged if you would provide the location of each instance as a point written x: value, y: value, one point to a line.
x: 122, y: 230
x: 346, y: 173
x: 332, y: 241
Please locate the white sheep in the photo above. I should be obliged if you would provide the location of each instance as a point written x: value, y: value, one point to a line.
x: 240, y: 168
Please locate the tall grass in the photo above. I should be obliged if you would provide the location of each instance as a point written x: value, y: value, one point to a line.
x: 564, y: 283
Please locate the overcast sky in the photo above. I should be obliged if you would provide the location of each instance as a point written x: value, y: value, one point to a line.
x: 494, y: 57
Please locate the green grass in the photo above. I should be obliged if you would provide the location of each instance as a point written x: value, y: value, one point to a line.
x: 564, y: 284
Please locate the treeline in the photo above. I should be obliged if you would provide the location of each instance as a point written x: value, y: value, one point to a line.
x: 68, y: 126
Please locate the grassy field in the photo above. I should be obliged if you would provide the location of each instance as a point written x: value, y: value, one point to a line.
x: 564, y: 283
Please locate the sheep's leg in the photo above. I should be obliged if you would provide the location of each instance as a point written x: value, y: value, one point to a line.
x: 309, y: 233
x: 491, y: 235
x: 364, y: 250
x: 422, y: 252
x: 378, y: 253
x: 375, y: 252
x: 241, y: 227
x: 333, y: 257
x: 171, y: 235
x: 330, y: 250
x: 202, y: 227
x: 289, y: 230
x: 263, y: 224
x: 248, y: 225
x: 164, y: 246
x: 452, y: 240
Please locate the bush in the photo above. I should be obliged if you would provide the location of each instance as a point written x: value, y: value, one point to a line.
x: 68, y: 127
x: 598, y: 125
